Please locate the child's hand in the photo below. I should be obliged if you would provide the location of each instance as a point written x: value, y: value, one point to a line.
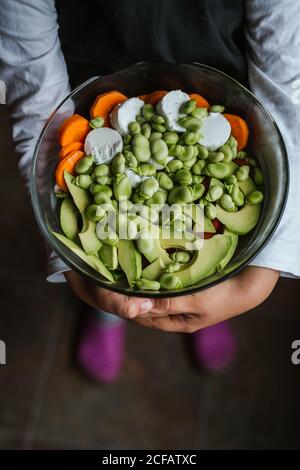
x: 187, y: 313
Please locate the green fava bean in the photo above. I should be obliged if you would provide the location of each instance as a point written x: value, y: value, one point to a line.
x: 118, y: 164
x: 172, y: 267
x: 84, y: 164
x: 181, y: 195
x: 215, y: 157
x: 214, y: 193
x: 158, y: 127
x: 198, y: 189
x: 216, y: 108
x: 242, y: 173
x: 146, y: 284
x: 141, y: 148
x: 146, y: 130
x: 146, y: 169
x: 197, y: 168
x: 237, y: 196
x: 210, y: 211
x: 164, y: 181
x: 197, y: 179
x: 191, y: 138
x: 159, y: 198
x: 140, y: 119
x: 103, y: 180
x: 134, y: 128
x: 155, y: 136
x: 83, y: 181
x: 148, y: 112
x: 203, y: 153
x: 181, y: 257
x: 241, y: 154
x: 227, y: 203
x: 102, y: 198
x: 190, y: 123
x: 170, y: 137
x: 95, y: 188
x: 96, y: 122
x: 137, y: 198
x: 148, y: 187
x: 159, y: 150
x: 188, y: 164
x: 189, y: 152
x: 170, y: 281
x: 158, y: 119
x: 174, y: 165
x: 258, y: 176
x: 256, y: 197
x: 232, y: 142
x: 106, y: 189
x: 227, y: 152
x: 183, y: 177
x: 251, y: 161
x: 95, y: 212
x: 127, y: 139
x: 122, y: 187
x: 199, y: 113
x: 101, y: 170
x: 217, y: 170
x: 188, y: 106
x: 179, y: 151
x: 130, y: 159
x: 231, y: 180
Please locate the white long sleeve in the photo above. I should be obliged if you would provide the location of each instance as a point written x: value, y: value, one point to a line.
x: 33, y: 68
x: 273, y: 37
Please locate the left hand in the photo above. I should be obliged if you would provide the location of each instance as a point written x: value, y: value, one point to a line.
x: 192, y: 312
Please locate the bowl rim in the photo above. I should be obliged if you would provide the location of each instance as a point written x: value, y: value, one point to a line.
x: 56, y: 245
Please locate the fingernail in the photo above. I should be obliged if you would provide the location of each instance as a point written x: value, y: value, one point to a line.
x: 146, y: 306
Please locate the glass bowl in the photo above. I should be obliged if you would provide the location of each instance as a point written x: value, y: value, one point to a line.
x: 265, y: 139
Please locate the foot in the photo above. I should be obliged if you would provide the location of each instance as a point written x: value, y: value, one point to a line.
x: 101, y: 349
x: 214, y: 347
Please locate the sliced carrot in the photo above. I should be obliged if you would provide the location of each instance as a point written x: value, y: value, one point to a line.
x: 104, y: 103
x: 143, y: 97
x: 74, y: 128
x: 154, y: 97
x: 201, y: 102
x: 68, y: 163
x: 239, y: 129
x: 70, y: 147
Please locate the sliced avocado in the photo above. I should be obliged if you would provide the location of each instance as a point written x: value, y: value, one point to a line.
x: 197, y: 213
x: 68, y: 218
x: 91, y: 260
x: 109, y: 256
x: 242, y: 221
x: 89, y: 240
x: 234, y: 241
x: 130, y: 260
x: 81, y: 198
x: 177, y: 239
x: 155, y: 269
x: 205, y: 261
x: 247, y: 186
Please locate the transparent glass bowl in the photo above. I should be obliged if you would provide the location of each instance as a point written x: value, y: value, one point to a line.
x: 265, y: 139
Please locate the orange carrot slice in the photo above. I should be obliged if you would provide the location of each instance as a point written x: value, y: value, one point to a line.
x: 70, y: 147
x: 154, y: 97
x: 74, y: 128
x: 104, y: 103
x: 201, y: 102
x: 239, y: 129
x: 68, y: 163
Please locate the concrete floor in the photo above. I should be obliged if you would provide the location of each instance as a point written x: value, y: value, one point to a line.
x: 160, y: 401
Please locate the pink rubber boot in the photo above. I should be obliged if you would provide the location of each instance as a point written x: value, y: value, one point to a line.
x: 214, y: 347
x: 101, y: 348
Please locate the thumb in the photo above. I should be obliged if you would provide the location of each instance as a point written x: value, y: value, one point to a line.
x: 175, y: 306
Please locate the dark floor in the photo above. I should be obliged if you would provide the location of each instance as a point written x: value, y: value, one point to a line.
x: 160, y: 401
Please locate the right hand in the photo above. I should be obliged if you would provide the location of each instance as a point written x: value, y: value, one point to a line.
x: 103, y: 299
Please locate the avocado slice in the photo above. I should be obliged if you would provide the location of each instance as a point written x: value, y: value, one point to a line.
x: 91, y: 260
x: 242, y: 221
x: 130, y: 260
x: 109, y: 256
x: 205, y: 261
x: 68, y: 218
x: 247, y: 186
x: 155, y: 269
x: 81, y: 197
x: 197, y: 213
x: 234, y: 241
